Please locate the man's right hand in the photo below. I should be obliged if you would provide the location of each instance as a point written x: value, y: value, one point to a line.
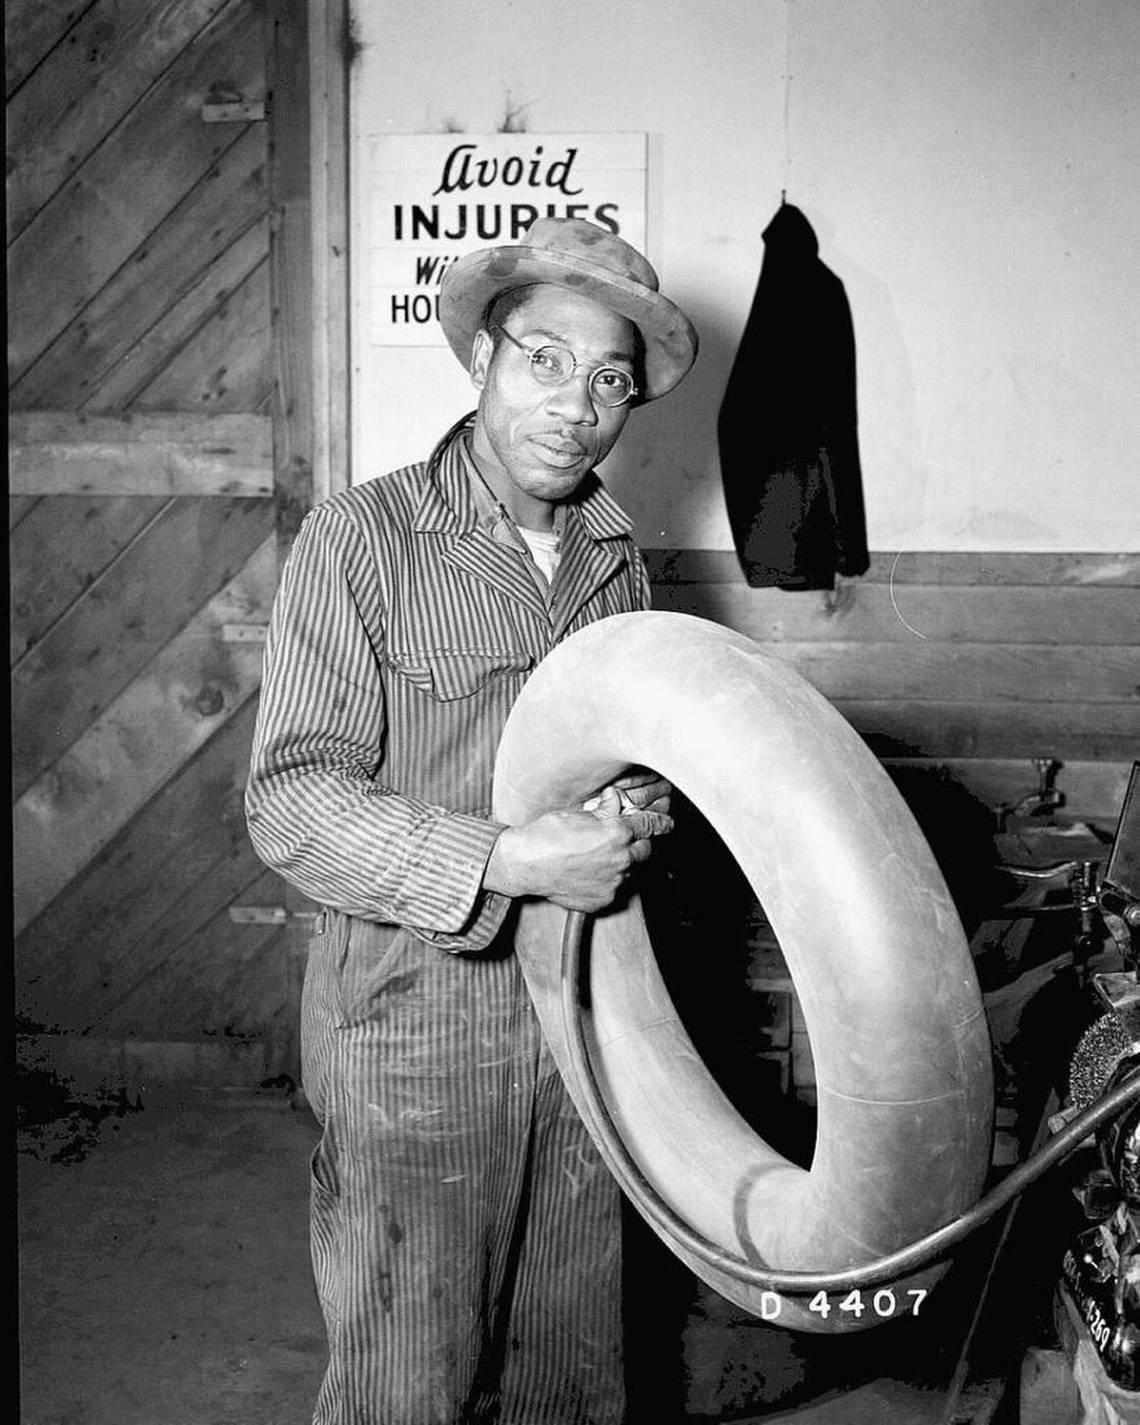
x: 577, y: 859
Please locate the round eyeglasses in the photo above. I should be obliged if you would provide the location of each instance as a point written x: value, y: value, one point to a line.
x: 555, y: 365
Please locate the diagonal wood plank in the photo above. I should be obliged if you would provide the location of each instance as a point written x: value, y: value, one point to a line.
x: 198, y: 971
x: 85, y: 86
x: 141, y: 601
x: 177, y: 264
x: 57, y: 453
x: 19, y: 508
x: 60, y: 549
x: 245, y: 984
x: 32, y: 29
x: 226, y: 365
x: 186, y: 693
x: 133, y: 365
x: 76, y: 949
x: 74, y: 245
x: 232, y: 981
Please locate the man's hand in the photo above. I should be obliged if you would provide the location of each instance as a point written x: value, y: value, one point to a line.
x: 577, y: 859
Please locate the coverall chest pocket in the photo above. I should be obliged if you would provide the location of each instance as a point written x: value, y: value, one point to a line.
x: 448, y: 676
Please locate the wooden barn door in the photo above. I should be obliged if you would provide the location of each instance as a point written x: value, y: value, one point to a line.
x: 161, y: 459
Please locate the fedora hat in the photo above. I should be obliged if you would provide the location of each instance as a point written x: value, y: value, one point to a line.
x: 582, y: 257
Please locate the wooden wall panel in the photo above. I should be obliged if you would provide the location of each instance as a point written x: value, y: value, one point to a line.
x: 976, y: 662
x: 171, y: 279
x: 32, y: 29
x: 912, y: 614
x: 137, y: 604
x: 204, y: 974
x: 964, y: 568
x: 142, y: 518
x: 222, y: 366
x: 56, y: 453
x: 128, y: 377
x: 61, y: 549
x: 101, y: 216
x: 19, y: 507
x: 1094, y: 791
x: 964, y: 672
x: 99, y: 930
x: 1069, y: 731
x: 62, y: 113
x: 122, y: 758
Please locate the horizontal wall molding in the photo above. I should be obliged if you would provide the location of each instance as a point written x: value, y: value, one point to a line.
x: 163, y: 453
x: 924, y: 615
x: 721, y: 566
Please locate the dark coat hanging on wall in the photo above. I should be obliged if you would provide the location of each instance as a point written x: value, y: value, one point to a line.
x: 787, y: 429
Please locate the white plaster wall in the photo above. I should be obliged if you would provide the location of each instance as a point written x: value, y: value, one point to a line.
x: 969, y: 167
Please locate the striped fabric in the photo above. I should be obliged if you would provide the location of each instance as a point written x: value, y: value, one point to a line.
x: 465, y: 1234
x: 402, y: 633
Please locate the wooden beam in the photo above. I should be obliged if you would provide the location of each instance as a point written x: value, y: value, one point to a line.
x: 721, y: 566
x: 329, y: 87
x: 290, y: 262
x: 57, y: 453
x: 1070, y: 731
x: 188, y: 691
x: 1085, y: 614
x: 964, y: 672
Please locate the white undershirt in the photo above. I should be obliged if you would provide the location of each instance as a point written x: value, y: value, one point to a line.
x: 543, y: 545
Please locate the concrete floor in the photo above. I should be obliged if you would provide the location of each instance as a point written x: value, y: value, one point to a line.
x: 165, y: 1275
x: 165, y: 1281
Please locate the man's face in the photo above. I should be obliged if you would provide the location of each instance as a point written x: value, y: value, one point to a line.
x: 534, y: 444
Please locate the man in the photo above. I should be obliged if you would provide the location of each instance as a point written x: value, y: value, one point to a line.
x: 465, y: 1234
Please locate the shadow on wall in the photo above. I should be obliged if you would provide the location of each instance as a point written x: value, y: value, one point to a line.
x: 960, y: 831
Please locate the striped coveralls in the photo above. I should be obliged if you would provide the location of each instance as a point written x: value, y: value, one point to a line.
x: 465, y: 1235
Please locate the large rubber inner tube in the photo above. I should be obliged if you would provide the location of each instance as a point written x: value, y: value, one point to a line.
x: 870, y: 934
